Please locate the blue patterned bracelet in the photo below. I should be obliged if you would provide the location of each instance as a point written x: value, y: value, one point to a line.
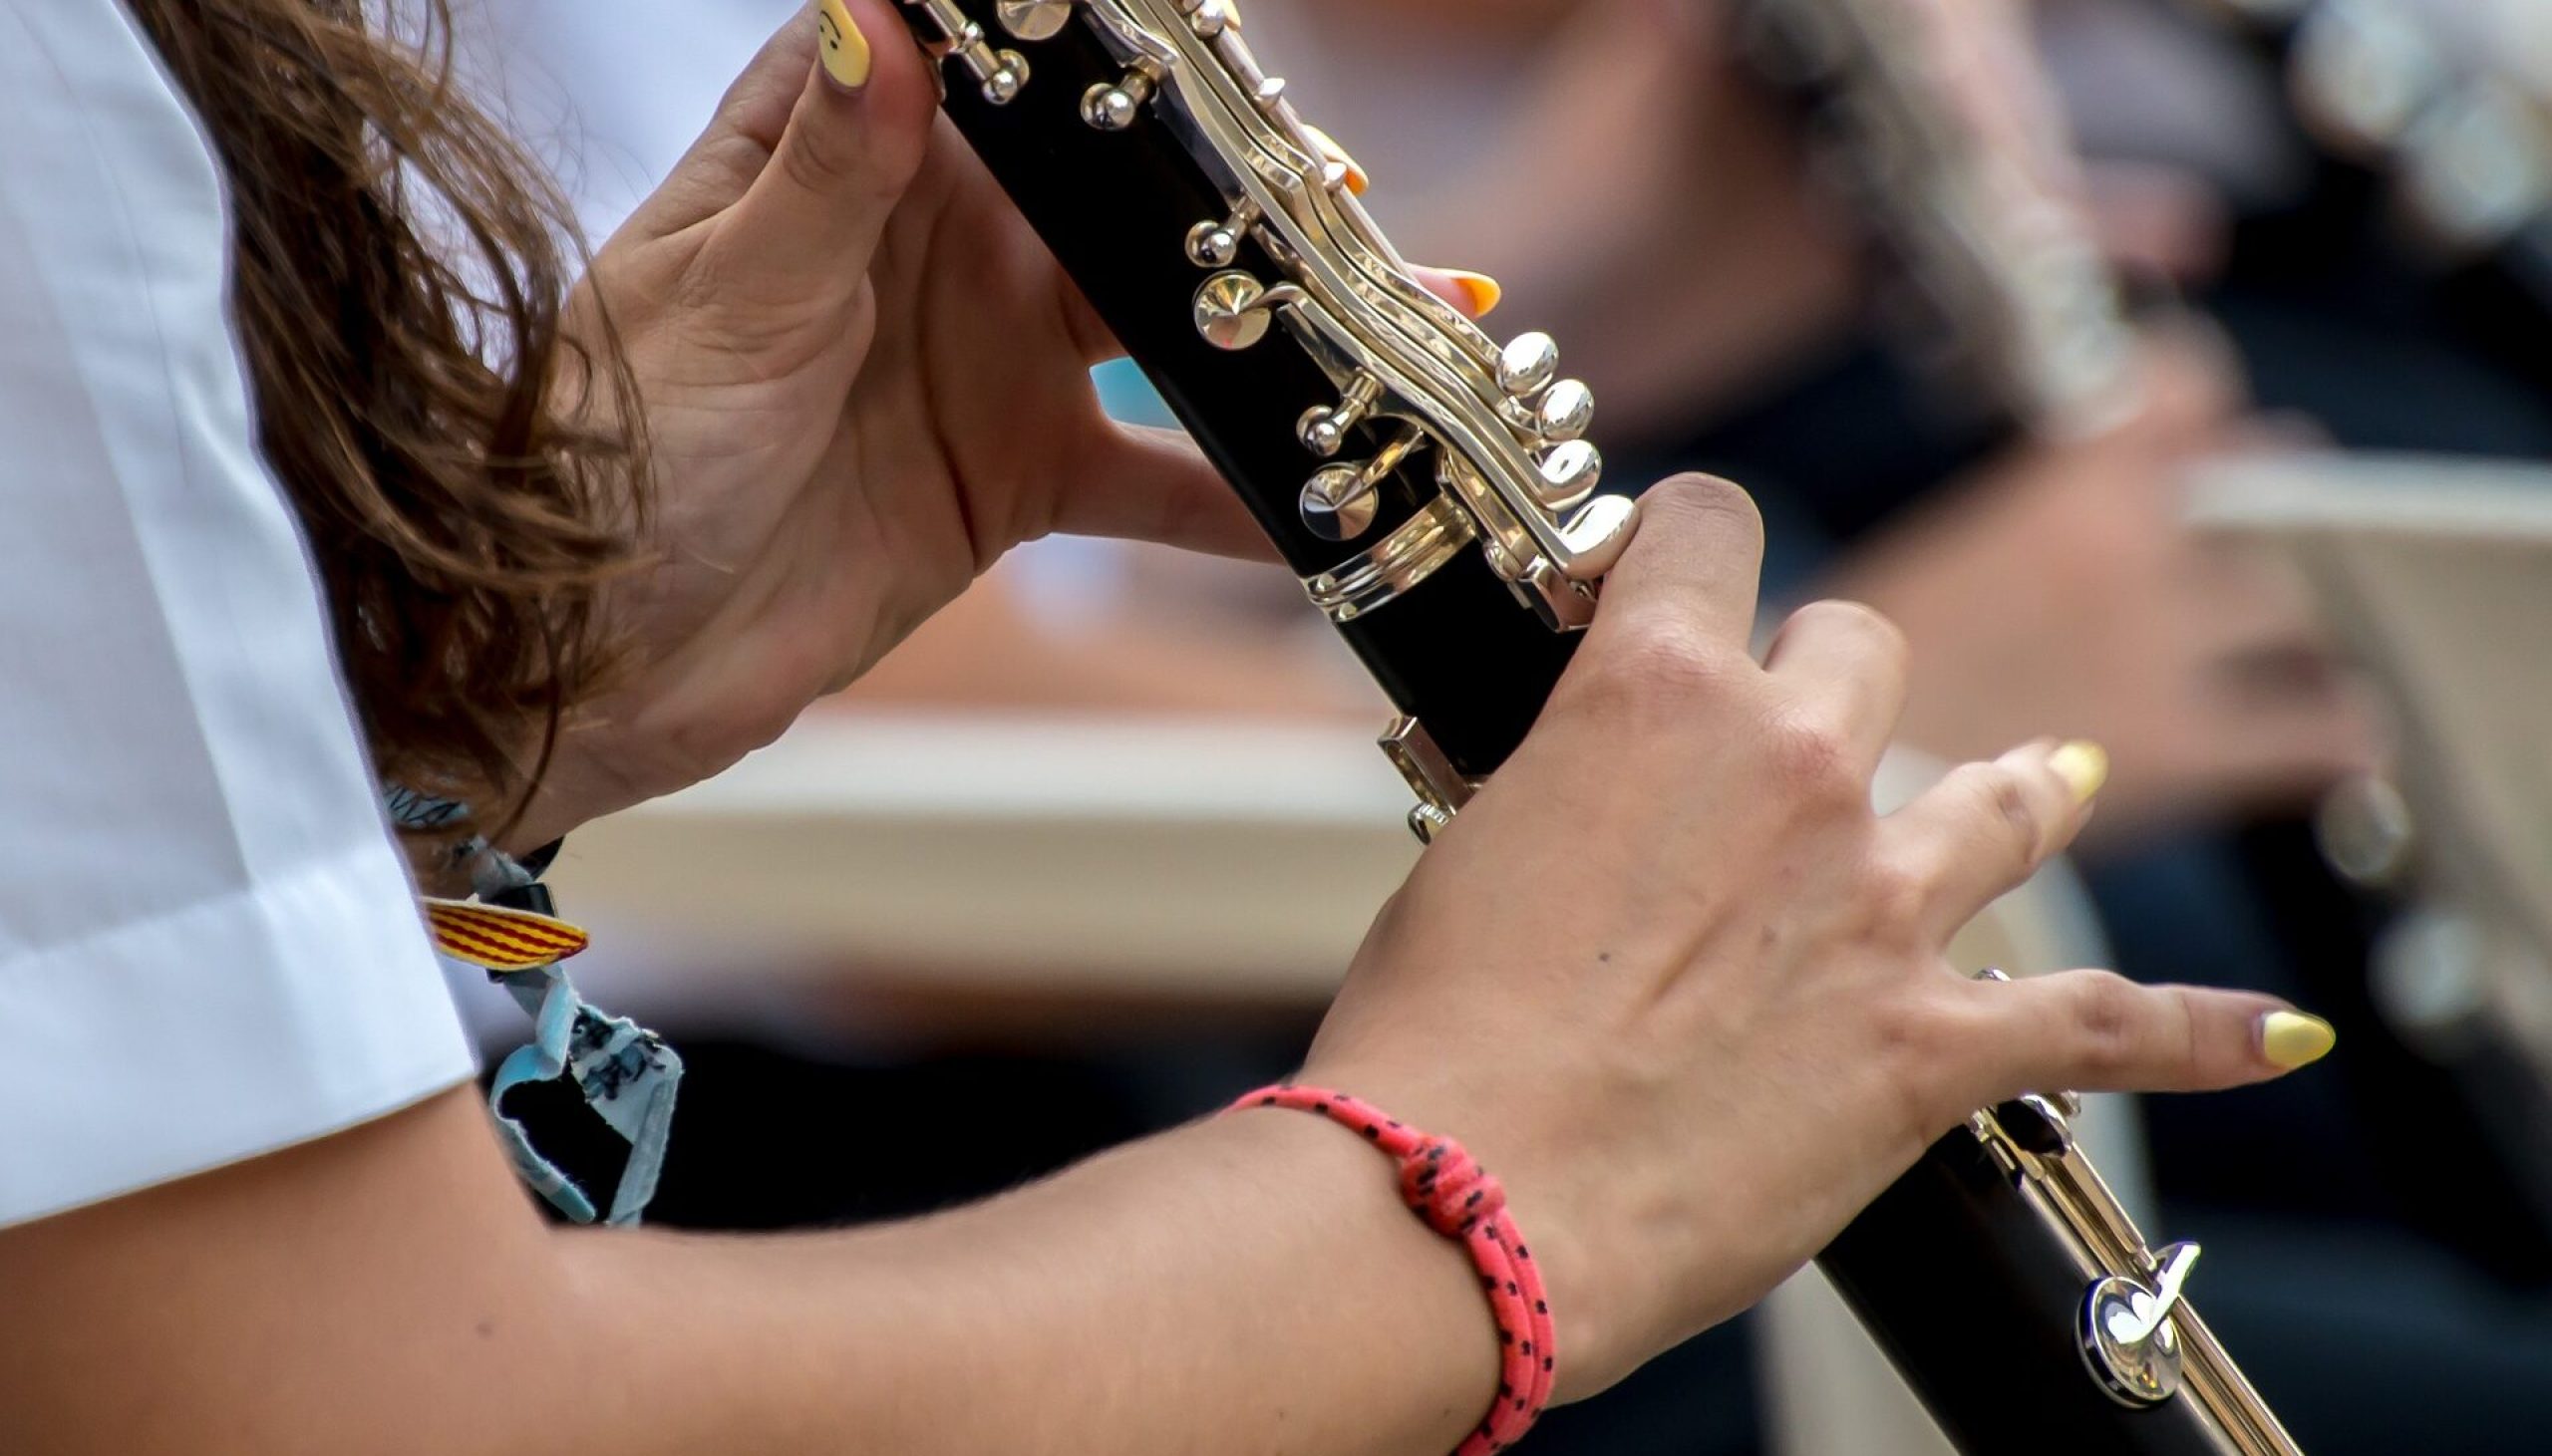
x: 623, y: 1072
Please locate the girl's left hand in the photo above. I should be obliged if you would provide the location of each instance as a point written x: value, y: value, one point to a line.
x: 865, y: 379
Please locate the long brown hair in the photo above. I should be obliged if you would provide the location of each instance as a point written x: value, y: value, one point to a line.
x: 468, y: 468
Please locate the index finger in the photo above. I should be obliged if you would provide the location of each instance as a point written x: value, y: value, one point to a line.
x: 1696, y: 555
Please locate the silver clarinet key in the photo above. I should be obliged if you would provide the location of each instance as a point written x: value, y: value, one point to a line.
x: 1033, y: 20
x: 1234, y: 310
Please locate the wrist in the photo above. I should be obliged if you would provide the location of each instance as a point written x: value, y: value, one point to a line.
x: 1465, y: 1204
x: 588, y: 777
x: 1334, y: 1181
x: 633, y: 747
x: 1500, y: 1125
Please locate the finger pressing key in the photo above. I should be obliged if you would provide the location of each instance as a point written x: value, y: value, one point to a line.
x: 1335, y: 155
x: 1477, y: 295
x: 809, y: 156
x: 1695, y: 560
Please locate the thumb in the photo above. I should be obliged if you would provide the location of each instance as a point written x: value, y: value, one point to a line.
x: 811, y: 151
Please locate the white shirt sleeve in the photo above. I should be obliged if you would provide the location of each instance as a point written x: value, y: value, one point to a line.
x: 209, y: 946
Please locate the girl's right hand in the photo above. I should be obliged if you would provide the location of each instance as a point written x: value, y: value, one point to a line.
x: 1674, y: 982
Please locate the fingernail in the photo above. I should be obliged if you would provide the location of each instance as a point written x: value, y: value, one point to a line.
x: 1356, y: 181
x: 2290, y: 1039
x: 845, y: 48
x: 2083, y: 766
x: 1481, y: 290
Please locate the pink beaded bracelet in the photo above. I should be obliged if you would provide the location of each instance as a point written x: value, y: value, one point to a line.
x: 1460, y: 1200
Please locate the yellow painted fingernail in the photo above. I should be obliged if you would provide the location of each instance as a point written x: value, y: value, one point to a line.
x: 845, y: 48
x: 1482, y: 291
x: 2290, y: 1039
x: 2085, y: 767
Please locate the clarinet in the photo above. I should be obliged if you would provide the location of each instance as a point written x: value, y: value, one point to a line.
x: 1435, y: 495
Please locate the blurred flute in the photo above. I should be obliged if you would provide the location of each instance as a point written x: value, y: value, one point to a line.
x: 1435, y: 495
x: 2012, y: 284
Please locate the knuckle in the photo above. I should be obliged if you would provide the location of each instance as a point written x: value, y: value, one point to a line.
x: 1897, y: 899
x: 1906, y: 1030
x: 1658, y: 661
x: 1815, y: 764
x: 812, y: 167
x: 2007, y: 818
x: 1878, y: 634
x: 2192, y: 1023
x: 2103, y: 1008
x: 1922, y: 1043
x: 819, y: 164
x: 2016, y: 815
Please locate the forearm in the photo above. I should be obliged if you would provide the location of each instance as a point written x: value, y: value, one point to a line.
x: 1247, y: 1286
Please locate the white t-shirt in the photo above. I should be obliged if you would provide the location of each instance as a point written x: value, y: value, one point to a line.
x: 208, y: 947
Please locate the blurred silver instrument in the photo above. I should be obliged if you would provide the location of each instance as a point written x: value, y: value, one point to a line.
x: 2013, y: 286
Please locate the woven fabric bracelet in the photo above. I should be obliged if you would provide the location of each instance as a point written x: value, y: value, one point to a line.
x: 491, y: 872
x: 623, y: 1072
x: 1456, y: 1198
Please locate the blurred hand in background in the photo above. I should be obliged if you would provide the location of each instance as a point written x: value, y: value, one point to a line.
x: 2061, y: 590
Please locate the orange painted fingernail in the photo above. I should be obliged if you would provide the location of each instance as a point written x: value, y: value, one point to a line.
x: 2085, y: 767
x: 1335, y: 155
x: 843, y: 49
x: 1481, y: 291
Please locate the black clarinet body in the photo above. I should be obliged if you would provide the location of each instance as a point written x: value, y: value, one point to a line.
x: 1117, y: 208
x: 1959, y: 1275
x: 1216, y: 237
